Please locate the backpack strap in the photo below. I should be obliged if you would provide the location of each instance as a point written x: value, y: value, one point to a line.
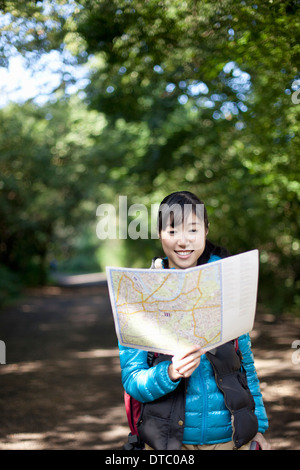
x: 151, y: 356
x: 133, y: 411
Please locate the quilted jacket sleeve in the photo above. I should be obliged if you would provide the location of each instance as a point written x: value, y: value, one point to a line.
x: 142, y: 382
x: 253, y: 382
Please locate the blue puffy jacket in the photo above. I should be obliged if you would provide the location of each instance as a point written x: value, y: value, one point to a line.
x: 207, y: 420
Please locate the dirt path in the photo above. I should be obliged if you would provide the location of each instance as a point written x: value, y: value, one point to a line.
x: 61, y: 387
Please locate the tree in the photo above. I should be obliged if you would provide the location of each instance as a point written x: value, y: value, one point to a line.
x: 196, y: 95
x: 47, y: 183
x: 212, y: 84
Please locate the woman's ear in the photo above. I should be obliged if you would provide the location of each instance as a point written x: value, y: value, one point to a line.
x: 206, y: 230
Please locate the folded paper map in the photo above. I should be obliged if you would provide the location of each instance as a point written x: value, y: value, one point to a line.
x: 168, y: 310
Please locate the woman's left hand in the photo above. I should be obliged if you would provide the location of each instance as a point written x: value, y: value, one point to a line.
x: 263, y: 443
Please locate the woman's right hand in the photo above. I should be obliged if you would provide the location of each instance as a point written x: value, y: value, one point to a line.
x: 184, y: 363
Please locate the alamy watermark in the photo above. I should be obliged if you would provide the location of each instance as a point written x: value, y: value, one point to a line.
x: 114, y: 224
x: 296, y: 94
x: 138, y: 221
x: 296, y: 354
x: 2, y: 352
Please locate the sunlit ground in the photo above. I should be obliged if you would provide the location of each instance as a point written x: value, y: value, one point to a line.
x: 55, y: 409
x: 61, y: 386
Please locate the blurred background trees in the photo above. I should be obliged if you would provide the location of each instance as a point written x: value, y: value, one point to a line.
x: 189, y: 95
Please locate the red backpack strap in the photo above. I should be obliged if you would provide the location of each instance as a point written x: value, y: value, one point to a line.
x: 133, y: 411
x: 132, y: 406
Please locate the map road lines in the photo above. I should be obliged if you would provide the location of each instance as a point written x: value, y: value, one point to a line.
x: 169, y: 311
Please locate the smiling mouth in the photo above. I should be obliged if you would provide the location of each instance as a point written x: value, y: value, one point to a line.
x: 184, y: 253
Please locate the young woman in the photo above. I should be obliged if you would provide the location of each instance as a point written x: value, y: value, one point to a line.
x: 194, y: 400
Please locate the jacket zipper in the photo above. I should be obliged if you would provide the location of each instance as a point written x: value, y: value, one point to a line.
x: 204, y: 411
x: 228, y: 408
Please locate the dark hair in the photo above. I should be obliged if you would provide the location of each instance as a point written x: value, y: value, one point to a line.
x: 178, y: 205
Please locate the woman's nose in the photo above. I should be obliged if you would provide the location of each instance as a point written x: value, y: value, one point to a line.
x: 182, y: 241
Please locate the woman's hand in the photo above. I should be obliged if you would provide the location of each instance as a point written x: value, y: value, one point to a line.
x: 263, y: 444
x: 184, y: 363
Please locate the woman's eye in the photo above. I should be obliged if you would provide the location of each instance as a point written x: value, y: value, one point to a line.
x: 171, y: 232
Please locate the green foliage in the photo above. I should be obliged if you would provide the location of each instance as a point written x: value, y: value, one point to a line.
x: 211, y: 86
x: 77, y: 254
x: 10, y: 285
x: 46, y: 156
x: 182, y: 95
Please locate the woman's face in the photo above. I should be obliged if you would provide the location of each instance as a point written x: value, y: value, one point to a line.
x: 184, y: 243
